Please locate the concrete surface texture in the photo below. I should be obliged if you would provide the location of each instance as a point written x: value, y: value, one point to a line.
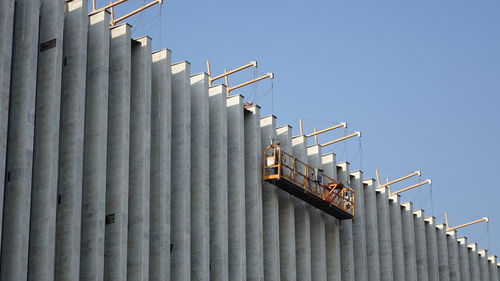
x: 117, y: 171
x: 200, y: 170
x: 119, y: 165
x: 286, y: 216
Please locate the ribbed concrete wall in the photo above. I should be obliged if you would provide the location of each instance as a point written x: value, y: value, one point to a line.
x: 117, y: 174
x: 302, y: 219
x: 72, y: 124
x: 332, y: 227
x: 372, y: 237
x: 286, y: 216
x: 121, y: 166
x: 200, y: 171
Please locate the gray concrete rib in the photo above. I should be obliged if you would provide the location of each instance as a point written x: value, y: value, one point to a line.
x: 409, y: 247
x: 218, y: 183
x: 253, y: 195
x: 200, y: 170
x: 463, y: 257
x: 332, y: 226
x: 236, y: 187
x: 71, y: 138
x: 270, y: 209
x: 42, y: 248
x: 371, y: 224
x: 432, y: 254
x: 117, y: 174
x: 139, y: 161
x: 161, y: 120
x: 346, y: 231
x: 384, y: 234
x: 302, y: 219
x: 286, y: 215
x: 6, y: 34
x: 359, y: 228
x: 95, y: 148
x: 180, y: 251
x: 420, y: 245
x: 318, y: 243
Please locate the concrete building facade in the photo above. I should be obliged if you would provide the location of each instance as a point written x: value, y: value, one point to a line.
x: 118, y: 165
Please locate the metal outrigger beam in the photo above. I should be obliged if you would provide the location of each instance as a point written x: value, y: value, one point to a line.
x: 388, y: 183
x: 355, y: 134
x: 113, y: 4
x: 268, y: 75
x: 412, y: 187
x: 316, y: 133
x: 343, y: 124
x: 226, y: 74
x: 484, y: 219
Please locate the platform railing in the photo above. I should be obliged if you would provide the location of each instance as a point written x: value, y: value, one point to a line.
x: 278, y: 164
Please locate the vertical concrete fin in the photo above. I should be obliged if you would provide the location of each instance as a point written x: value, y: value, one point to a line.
x: 473, y: 261
x: 16, y: 217
x: 236, y: 187
x: 371, y: 225
x: 286, y: 215
x: 453, y: 258
x: 180, y: 261
x: 432, y: 252
x: 95, y: 146
x: 46, y: 148
x: 358, y: 227
x: 484, y: 271
x: 253, y: 195
x: 139, y: 161
x: 117, y: 174
x: 200, y: 169
x: 346, y: 231
x: 397, y: 238
x: 270, y: 209
x: 317, y: 220
x: 218, y: 183
x: 409, y: 249
x: 463, y: 257
x: 384, y: 234
x: 420, y: 245
x: 442, y: 243
x: 492, y: 266
x: 161, y: 119
x: 6, y: 34
x: 332, y: 227
x: 302, y: 219
x: 71, y: 137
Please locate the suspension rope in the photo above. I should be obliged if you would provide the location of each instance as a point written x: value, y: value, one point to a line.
x: 161, y: 24
x: 254, y: 84
x: 432, y: 200
x: 488, y: 233
x: 360, y: 155
x: 345, y: 145
x: 272, y: 97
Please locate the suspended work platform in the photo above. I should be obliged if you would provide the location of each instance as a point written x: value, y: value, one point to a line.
x: 308, y: 183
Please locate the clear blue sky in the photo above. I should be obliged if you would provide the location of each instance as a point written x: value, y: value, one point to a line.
x: 420, y: 79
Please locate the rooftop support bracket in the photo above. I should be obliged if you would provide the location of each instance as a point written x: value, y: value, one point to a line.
x: 343, y: 124
x: 355, y: 134
x: 227, y: 73
x: 416, y: 173
x: 411, y: 187
x: 111, y: 5
x: 268, y: 75
x: 484, y: 219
